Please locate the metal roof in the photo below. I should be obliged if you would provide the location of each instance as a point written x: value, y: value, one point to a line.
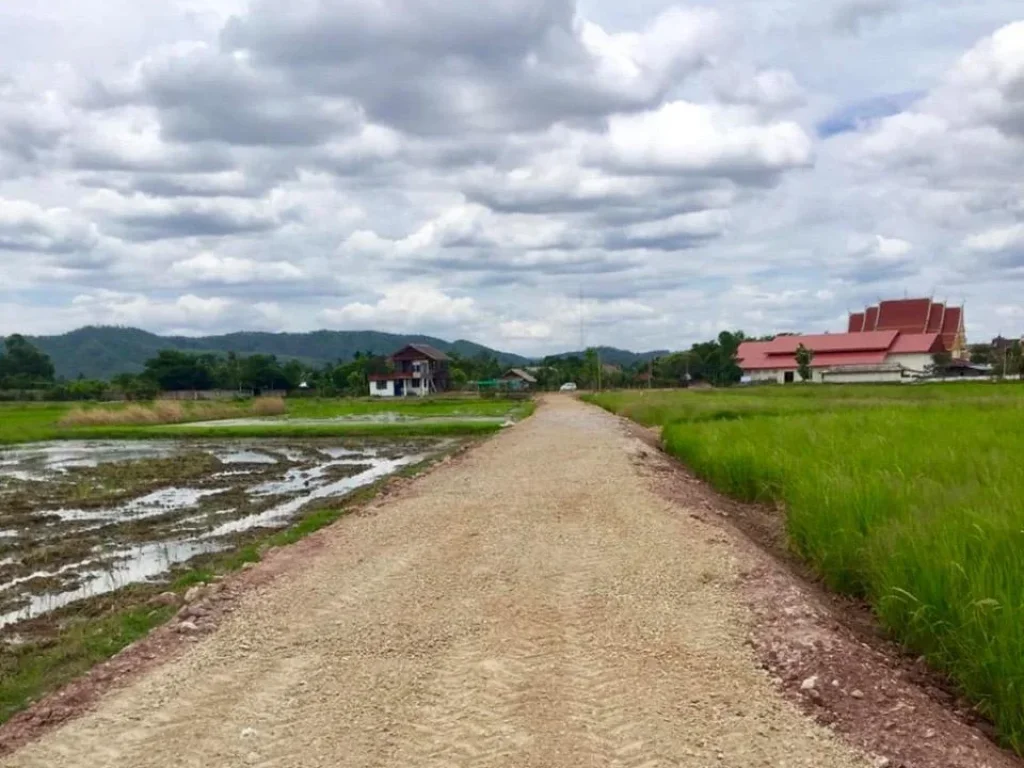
x: 424, y: 349
x: 520, y: 373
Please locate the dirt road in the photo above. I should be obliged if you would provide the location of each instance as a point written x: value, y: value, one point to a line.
x: 532, y: 604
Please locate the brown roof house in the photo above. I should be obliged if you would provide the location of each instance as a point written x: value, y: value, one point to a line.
x: 417, y: 370
x: 517, y: 378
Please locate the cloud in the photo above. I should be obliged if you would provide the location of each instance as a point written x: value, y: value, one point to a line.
x: 997, y: 240
x: 854, y: 116
x: 202, y: 95
x: 28, y: 227
x: 852, y: 16
x: 463, y: 168
x: 139, y: 218
x: 717, y: 141
x: 520, y: 330
x: 461, y: 66
x: 184, y: 312
x: 228, y: 270
x: 405, y: 305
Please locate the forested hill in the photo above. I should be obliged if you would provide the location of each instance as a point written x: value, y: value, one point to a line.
x: 620, y: 357
x: 102, y: 352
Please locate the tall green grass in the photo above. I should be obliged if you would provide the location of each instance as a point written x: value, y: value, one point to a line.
x: 913, y: 501
x: 415, y: 407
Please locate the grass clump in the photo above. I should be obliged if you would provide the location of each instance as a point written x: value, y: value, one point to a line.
x: 27, y: 672
x: 169, y: 412
x: 912, y: 498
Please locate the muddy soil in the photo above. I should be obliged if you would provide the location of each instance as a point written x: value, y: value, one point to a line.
x: 83, y: 519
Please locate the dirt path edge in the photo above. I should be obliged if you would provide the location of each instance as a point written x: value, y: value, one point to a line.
x: 194, y: 621
x: 826, y: 652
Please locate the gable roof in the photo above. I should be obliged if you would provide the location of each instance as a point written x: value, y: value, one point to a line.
x: 911, y: 316
x: 907, y: 315
x: 520, y: 374
x: 832, y: 350
x: 871, y: 319
x: 423, y: 349
x: 833, y: 342
x: 916, y: 343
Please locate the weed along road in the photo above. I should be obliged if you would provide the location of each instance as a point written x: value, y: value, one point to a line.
x: 532, y: 603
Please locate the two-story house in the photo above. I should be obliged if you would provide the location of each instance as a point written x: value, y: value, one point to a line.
x: 418, y: 370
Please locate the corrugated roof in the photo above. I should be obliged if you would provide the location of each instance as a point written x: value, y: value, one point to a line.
x: 833, y: 342
x: 920, y: 343
x: 519, y: 372
x: 424, y: 349
x: 753, y: 357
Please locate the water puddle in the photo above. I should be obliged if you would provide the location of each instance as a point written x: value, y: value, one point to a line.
x: 95, y: 516
x: 157, y: 503
x: 246, y: 457
x: 39, y: 461
x: 130, y: 566
x: 275, y: 516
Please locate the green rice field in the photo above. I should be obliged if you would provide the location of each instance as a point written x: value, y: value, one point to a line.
x: 911, y: 497
x: 341, y: 417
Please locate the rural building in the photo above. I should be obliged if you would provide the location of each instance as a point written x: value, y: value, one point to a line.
x: 893, y: 341
x: 517, y: 378
x: 843, y: 358
x: 915, y: 316
x: 417, y: 370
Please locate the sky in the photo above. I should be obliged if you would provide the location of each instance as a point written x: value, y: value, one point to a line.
x: 468, y: 169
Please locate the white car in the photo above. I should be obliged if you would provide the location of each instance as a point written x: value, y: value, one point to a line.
x: 568, y: 387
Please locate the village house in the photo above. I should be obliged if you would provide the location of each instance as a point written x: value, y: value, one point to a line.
x: 519, y: 379
x: 895, y: 341
x: 417, y: 370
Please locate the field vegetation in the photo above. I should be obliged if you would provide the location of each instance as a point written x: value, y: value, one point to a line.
x: 911, y: 497
x: 28, y: 422
x: 170, y: 412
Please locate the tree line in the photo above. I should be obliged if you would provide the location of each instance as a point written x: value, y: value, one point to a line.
x: 24, y: 369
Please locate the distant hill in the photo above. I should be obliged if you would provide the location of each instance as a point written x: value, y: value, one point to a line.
x: 620, y: 357
x: 102, y: 352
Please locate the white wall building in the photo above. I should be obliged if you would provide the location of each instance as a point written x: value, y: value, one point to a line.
x: 842, y: 358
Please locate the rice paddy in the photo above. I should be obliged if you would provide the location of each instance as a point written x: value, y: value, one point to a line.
x: 911, y: 497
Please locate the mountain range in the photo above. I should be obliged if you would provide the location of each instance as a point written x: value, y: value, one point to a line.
x: 100, y: 352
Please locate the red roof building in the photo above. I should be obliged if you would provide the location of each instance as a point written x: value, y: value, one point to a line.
x: 876, y: 356
x: 915, y: 316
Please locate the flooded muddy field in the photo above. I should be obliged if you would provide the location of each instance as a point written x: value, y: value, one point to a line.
x: 82, y: 519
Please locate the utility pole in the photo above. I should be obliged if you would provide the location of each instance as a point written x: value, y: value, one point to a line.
x: 583, y: 343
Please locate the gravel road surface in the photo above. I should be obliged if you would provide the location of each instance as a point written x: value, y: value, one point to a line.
x: 532, y: 603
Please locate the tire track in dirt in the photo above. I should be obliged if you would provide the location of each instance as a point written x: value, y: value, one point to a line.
x: 532, y: 603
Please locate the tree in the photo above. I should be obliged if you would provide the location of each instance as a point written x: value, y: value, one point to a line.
x: 941, y: 361
x: 804, y: 356
x: 458, y: 378
x: 23, y: 366
x: 263, y: 372
x: 981, y: 354
x: 175, y: 371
